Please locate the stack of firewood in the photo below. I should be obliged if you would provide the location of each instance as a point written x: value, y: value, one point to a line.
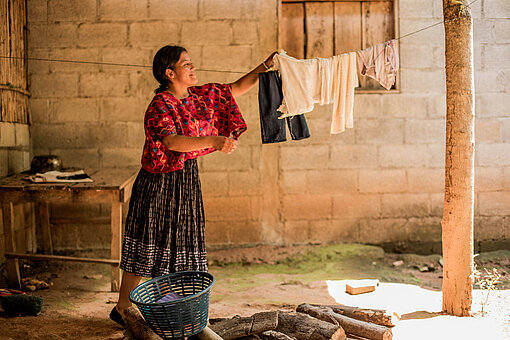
x: 308, y: 322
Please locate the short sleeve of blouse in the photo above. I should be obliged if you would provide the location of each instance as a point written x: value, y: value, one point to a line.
x: 159, y: 118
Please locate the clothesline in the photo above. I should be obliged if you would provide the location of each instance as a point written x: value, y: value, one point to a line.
x: 200, y: 69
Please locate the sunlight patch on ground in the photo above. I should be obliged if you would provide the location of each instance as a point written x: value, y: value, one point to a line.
x: 420, y: 308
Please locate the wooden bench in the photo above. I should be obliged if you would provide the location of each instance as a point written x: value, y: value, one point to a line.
x: 109, y: 186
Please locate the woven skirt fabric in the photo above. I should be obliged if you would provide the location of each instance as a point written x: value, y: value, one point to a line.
x: 165, y: 224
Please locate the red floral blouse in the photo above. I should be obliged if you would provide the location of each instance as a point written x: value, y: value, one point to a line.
x: 210, y: 110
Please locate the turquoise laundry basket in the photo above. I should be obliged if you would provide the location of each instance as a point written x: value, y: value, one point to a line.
x: 183, y: 317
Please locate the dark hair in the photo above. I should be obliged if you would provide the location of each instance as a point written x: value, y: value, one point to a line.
x: 165, y: 58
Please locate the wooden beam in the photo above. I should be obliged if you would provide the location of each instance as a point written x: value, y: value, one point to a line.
x: 42, y: 257
x: 13, y: 276
x: 116, y: 243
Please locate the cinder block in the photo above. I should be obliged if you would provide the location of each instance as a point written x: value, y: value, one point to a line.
x: 142, y: 84
x: 153, y: 33
x: 104, y: 84
x: 74, y: 110
x: 244, y: 183
x: 425, y: 180
x: 232, y: 58
x: 78, y: 54
x: 495, y: 56
x: 67, y: 136
x: 16, y: 161
x: 496, y: 155
x: 494, y: 203
x: 334, y: 231
x: 229, y: 9
x: 103, y: 35
x: 405, y: 205
x: 405, y: 156
x: 381, y: 131
x: 38, y: 66
x: 120, y: 157
x: 127, y: 55
x: 22, y: 134
x: 54, y: 85
x: 125, y: 109
x: 496, y: 9
x: 214, y: 183
x: 431, y: 36
x: 297, y: 207
x: 366, y: 106
x: 293, y: 182
x: 356, y: 206
x: 489, y: 228
x: 210, y: 33
x: 418, y: 131
x: 247, y: 233
x: 403, y: 106
x: 382, y: 181
x: 437, y: 106
x: 37, y: 11
x: 416, y: 9
x: 4, y: 171
x: 123, y: 10
x: 83, y: 158
x: 71, y: 11
x: 7, y: 134
x: 331, y: 182
x: 436, y: 155
x: 245, y: 32
x: 428, y: 56
x: 500, y: 32
x: 376, y: 231
x: 483, y: 31
x: 227, y: 208
x: 217, y: 232
x: 121, y: 134
x: 304, y: 157
x: 426, y: 229
x: 488, y: 179
x: 418, y: 81
x: 240, y: 159
x: 488, y: 130
x: 489, y: 105
x: 505, y: 129
x: 54, y: 35
x: 39, y: 110
x: 436, y: 204
x: 352, y: 157
x: 490, y: 81
x: 173, y: 9
x: 296, y: 232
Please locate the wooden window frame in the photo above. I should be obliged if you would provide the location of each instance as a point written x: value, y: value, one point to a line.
x: 397, y: 88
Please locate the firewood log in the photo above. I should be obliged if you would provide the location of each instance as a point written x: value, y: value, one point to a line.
x: 351, y: 326
x: 378, y: 316
x: 274, y: 335
x: 137, y: 325
x: 250, y: 337
x: 242, y: 326
x: 207, y: 334
x: 302, y: 326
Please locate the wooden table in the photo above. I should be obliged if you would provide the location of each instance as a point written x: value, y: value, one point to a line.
x: 109, y: 186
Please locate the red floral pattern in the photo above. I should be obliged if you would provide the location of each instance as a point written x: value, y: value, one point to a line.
x: 210, y: 110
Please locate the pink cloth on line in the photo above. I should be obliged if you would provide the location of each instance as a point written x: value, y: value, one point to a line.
x: 380, y: 62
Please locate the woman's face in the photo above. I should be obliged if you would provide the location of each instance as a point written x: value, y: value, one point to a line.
x: 183, y: 72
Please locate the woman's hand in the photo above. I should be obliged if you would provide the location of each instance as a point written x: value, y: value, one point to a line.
x: 269, y: 61
x: 224, y: 144
x: 246, y: 82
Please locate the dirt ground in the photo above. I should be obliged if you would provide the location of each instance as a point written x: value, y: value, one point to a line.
x: 250, y: 280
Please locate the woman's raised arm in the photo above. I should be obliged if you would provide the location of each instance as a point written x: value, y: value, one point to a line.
x: 246, y: 82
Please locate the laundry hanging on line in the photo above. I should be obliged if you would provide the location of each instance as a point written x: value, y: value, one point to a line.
x: 306, y: 82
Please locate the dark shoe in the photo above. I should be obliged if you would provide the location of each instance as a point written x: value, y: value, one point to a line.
x: 115, y: 316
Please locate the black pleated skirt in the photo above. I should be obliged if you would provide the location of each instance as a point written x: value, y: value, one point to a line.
x: 165, y: 224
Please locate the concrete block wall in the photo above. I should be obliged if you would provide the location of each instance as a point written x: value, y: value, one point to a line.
x: 381, y: 182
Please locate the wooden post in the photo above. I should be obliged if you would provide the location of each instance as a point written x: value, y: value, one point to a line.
x: 13, y: 276
x: 43, y: 219
x: 116, y: 224
x: 457, y: 223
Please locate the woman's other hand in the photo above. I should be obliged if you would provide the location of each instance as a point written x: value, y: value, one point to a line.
x: 225, y: 145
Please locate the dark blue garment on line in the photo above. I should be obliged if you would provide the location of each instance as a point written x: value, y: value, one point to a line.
x: 272, y: 129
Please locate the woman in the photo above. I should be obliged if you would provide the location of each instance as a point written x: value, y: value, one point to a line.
x: 165, y: 223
